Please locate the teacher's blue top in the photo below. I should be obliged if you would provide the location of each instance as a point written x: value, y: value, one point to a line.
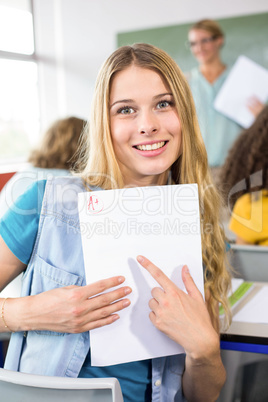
x: 218, y: 131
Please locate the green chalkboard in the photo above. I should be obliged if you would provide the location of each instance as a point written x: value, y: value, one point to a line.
x: 247, y: 35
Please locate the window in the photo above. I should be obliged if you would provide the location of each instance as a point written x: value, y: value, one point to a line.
x: 19, y: 101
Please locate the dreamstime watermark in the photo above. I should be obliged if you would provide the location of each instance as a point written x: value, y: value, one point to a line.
x: 137, y: 201
x: 134, y: 227
x: 163, y: 200
x: 251, y: 217
x: 62, y: 198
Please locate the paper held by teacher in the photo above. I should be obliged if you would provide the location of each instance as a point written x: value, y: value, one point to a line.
x: 246, y: 79
x: 163, y: 224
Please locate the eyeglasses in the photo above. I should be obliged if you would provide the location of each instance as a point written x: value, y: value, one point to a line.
x: 202, y: 42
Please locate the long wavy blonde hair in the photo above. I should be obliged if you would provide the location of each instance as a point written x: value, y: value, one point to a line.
x: 102, y: 170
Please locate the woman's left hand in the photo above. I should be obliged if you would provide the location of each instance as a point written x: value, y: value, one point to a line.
x: 183, y: 317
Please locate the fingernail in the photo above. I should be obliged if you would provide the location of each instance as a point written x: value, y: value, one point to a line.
x: 186, y: 269
x: 121, y: 279
x: 126, y: 303
x: 115, y: 317
x: 140, y: 258
x: 127, y: 291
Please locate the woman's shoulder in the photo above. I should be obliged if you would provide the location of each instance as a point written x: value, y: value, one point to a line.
x: 61, y: 196
x: 66, y: 181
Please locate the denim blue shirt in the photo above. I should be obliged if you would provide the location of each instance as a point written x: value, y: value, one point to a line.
x: 56, y: 261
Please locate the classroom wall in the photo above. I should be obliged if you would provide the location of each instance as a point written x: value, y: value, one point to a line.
x: 243, y: 35
x: 74, y: 37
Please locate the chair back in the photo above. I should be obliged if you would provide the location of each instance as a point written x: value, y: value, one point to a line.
x: 250, y: 262
x: 21, y: 387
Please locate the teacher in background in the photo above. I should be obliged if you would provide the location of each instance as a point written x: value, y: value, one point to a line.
x: 206, y: 39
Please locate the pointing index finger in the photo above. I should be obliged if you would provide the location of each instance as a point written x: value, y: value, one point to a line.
x: 156, y: 272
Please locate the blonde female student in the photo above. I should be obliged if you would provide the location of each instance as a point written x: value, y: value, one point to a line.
x: 143, y: 128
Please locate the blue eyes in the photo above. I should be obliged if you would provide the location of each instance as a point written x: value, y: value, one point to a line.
x: 163, y: 104
x: 126, y: 110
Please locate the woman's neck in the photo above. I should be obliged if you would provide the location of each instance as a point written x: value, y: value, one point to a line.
x: 212, y: 70
x: 147, y: 181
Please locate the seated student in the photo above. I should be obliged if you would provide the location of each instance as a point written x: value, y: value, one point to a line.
x: 244, y: 178
x: 55, y: 156
x: 143, y: 129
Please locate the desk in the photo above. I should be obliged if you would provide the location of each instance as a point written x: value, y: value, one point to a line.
x: 242, y: 337
x: 246, y: 337
x: 242, y: 344
x: 251, y: 264
x: 11, y: 290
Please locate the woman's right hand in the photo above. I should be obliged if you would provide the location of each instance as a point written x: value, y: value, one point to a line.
x: 71, y: 309
x: 255, y: 106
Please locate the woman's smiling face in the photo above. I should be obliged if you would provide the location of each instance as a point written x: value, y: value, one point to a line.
x: 145, y: 127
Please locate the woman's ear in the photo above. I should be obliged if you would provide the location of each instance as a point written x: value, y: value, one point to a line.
x: 220, y: 41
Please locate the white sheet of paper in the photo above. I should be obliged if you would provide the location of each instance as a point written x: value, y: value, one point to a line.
x: 255, y: 311
x: 246, y: 79
x: 162, y: 223
x: 236, y: 282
